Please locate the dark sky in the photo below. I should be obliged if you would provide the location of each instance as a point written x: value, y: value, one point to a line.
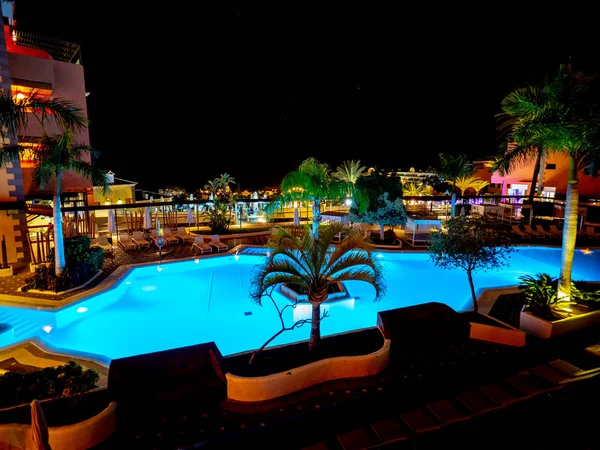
x: 184, y: 92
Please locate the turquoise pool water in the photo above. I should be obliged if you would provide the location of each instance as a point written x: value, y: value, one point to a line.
x: 182, y: 303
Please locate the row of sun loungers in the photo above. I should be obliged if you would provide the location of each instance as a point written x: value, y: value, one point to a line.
x: 137, y: 240
x: 539, y: 232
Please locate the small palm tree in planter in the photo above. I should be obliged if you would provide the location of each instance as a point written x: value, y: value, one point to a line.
x: 542, y: 300
x: 314, y: 264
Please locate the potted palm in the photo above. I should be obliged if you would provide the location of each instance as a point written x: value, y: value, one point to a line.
x: 314, y: 264
x: 546, y: 314
x: 5, y: 269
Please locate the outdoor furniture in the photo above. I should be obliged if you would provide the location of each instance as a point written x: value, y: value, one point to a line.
x: 170, y: 237
x: 140, y: 240
x: 104, y: 244
x: 200, y: 246
x: 126, y: 243
x: 184, y: 236
x: 216, y: 241
x: 591, y: 232
x: 516, y: 230
x: 532, y: 232
x: 554, y: 229
x: 549, y: 234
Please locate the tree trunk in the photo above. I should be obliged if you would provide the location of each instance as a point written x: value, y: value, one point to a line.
x: 453, y: 208
x: 316, y: 217
x: 535, y: 175
x: 59, y: 244
x: 569, y: 233
x: 382, y: 232
x: 315, y: 329
x: 473, y: 296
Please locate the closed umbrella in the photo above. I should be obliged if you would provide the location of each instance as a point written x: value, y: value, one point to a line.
x: 40, y: 439
x: 111, y: 221
x: 296, y: 218
x: 147, y: 218
x: 190, y: 216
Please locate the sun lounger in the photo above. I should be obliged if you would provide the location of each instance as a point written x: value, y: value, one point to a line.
x: 126, y: 243
x: 140, y: 240
x: 216, y: 241
x: 549, y: 234
x: 170, y: 236
x: 516, y: 230
x: 554, y: 229
x: 184, y: 236
x: 200, y: 246
x: 104, y: 244
x: 532, y: 232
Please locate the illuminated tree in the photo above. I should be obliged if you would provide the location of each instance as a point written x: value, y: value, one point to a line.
x: 451, y: 168
x: 309, y: 263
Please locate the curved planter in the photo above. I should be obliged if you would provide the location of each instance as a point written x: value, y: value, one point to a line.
x: 257, y: 389
x: 76, y: 436
x: 546, y: 329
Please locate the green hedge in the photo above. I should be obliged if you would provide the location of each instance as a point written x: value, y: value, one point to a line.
x: 17, y: 388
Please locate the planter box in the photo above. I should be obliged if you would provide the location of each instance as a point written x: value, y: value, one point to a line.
x: 6, y: 272
x: 261, y: 388
x: 33, y: 266
x: 546, y: 329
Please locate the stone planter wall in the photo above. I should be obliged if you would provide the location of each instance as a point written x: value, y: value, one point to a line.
x: 84, y: 434
x: 546, y: 329
x: 257, y: 389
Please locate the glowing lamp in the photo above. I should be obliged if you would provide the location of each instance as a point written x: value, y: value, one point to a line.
x: 159, y: 269
x: 82, y: 309
x: 47, y: 328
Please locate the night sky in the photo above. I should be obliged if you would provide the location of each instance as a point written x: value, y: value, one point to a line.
x: 184, y: 92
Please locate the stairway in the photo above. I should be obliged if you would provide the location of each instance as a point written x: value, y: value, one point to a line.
x: 23, y: 328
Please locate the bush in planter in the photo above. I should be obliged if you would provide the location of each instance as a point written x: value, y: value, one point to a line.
x: 541, y: 296
x: 82, y: 263
x: 17, y: 388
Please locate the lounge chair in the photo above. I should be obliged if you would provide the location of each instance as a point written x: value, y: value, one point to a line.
x: 516, y: 230
x: 104, y: 244
x: 126, y: 243
x: 531, y: 231
x: 200, y: 246
x: 184, y: 236
x: 170, y: 236
x: 216, y: 241
x: 591, y: 232
x: 554, y: 229
x: 140, y: 240
x: 549, y: 234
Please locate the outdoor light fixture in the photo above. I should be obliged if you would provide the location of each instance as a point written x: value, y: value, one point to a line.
x: 119, y: 202
x: 159, y: 269
x: 128, y: 282
x: 47, y: 328
x: 82, y: 309
x: 348, y: 201
x: 197, y: 261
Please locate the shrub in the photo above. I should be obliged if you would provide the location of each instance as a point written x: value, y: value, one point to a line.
x: 82, y: 263
x: 18, y: 388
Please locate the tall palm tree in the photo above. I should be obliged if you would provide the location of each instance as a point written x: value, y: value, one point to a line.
x: 568, y: 122
x: 54, y: 156
x: 464, y: 183
x: 224, y: 181
x: 311, y: 182
x: 452, y: 168
x: 213, y: 187
x: 15, y: 113
x: 314, y: 264
x: 349, y: 171
x: 523, y: 110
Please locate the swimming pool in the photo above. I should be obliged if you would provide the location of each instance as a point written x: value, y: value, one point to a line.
x: 179, y: 303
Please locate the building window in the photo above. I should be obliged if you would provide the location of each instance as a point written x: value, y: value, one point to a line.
x: 550, y: 166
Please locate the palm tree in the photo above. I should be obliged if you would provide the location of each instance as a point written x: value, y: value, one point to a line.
x: 54, y: 156
x: 523, y: 111
x: 213, y: 187
x: 452, y: 168
x: 224, y: 181
x: 15, y: 113
x: 314, y: 264
x: 567, y: 122
x: 464, y: 183
x: 311, y: 182
x: 349, y: 171
x: 412, y: 189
